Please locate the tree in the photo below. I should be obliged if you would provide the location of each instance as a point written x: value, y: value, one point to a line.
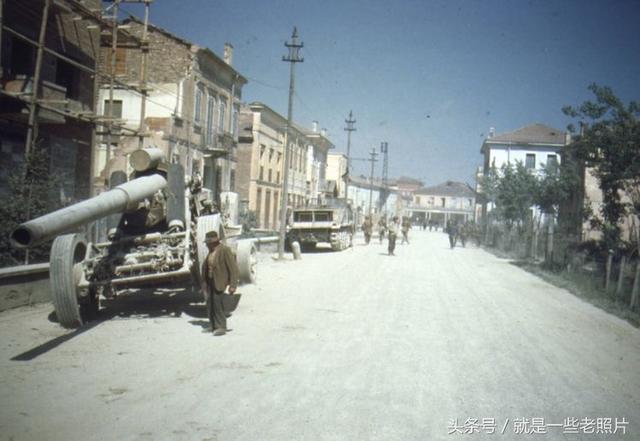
x: 515, y: 194
x: 31, y: 192
x: 555, y: 185
x: 610, y: 145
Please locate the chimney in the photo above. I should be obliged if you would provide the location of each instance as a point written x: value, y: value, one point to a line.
x: 492, y: 132
x: 314, y: 126
x: 323, y: 132
x: 567, y: 138
x: 228, y: 53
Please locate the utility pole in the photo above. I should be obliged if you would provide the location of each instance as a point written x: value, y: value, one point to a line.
x: 144, y: 43
x: 384, y: 149
x: 112, y: 79
x: 373, y: 160
x: 293, y: 57
x: 350, y: 122
x: 32, y: 125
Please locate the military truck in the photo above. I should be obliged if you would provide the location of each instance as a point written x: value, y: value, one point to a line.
x: 331, y: 223
x: 156, y: 223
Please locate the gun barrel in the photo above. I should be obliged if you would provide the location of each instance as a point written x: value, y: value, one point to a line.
x: 113, y: 201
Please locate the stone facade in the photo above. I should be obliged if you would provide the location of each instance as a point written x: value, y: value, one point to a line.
x: 191, y: 111
x: 261, y: 162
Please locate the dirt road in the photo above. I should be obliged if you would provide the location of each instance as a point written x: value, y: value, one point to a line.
x: 354, y: 345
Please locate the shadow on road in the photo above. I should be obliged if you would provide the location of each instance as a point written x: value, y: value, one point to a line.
x: 141, y: 303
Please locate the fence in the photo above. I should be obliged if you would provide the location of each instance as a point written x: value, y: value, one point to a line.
x: 615, y: 274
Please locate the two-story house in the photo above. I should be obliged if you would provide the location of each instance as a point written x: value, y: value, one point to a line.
x: 261, y: 163
x: 441, y: 203
x: 535, y: 146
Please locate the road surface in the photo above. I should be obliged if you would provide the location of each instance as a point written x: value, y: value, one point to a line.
x: 356, y: 345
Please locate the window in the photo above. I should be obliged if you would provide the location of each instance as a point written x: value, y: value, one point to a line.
x: 530, y: 162
x: 269, y: 176
x: 276, y: 200
x: 117, y: 108
x: 232, y: 180
x: 270, y: 154
x: 262, y: 149
x: 552, y: 162
x: 418, y: 200
x: 303, y: 216
x: 222, y: 107
x: 323, y: 216
x: 278, y: 177
x: 67, y: 77
x: 261, y: 176
x: 267, y: 208
x: 211, y: 105
x: 197, y: 105
x: 21, y: 57
x: 234, y: 122
x: 258, y: 202
x: 443, y: 200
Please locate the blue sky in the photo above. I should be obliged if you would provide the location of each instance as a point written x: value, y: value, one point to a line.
x: 428, y: 77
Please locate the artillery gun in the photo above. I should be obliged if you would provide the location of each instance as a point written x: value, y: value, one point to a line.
x: 156, y: 226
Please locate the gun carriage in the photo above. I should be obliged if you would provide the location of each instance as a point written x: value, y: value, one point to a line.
x: 156, y: 224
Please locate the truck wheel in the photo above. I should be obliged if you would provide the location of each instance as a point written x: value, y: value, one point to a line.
x: 65, y: 270
x: 247, y: 257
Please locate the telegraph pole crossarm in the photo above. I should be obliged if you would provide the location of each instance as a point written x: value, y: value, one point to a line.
x: 293, y: 57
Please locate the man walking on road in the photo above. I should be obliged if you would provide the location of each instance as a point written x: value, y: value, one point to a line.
x: 367, y: 228
x: 406, y: 226
x: 382, y: 227
x: 219, y: 270
x: 452, y: 231
x: 393, y: 233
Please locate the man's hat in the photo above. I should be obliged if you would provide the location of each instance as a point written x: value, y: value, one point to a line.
x: 211, y: 237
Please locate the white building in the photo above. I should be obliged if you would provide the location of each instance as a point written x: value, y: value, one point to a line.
x: 441, y: 203
x: 535, y: 146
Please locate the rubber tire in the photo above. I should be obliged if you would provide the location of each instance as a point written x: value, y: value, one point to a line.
x: 247, y: 258
x: 67, y: 253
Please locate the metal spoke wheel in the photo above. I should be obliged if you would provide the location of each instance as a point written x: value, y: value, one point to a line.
x: 65, y: 271
x: 247, y: 257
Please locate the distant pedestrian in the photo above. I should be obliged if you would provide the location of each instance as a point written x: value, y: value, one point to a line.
x: 382, y: 228
x: 392, y: 233
x: 452, y: 231
x: 463, y: 233
x: 367, y: 229
x: 406, y: 226
x: 219, y: 271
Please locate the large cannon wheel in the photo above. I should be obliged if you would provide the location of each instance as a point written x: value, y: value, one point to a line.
x: 247, y: 257
x: 65, y: 271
